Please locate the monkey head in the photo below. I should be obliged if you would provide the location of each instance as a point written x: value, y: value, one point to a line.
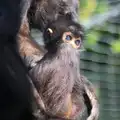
x: 63, y: 32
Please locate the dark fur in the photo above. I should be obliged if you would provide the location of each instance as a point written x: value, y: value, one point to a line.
x: 29, y: 50
x: 58, y: 73
x: 15, y: 93
x: 42, y: 12
x: 39, y: 14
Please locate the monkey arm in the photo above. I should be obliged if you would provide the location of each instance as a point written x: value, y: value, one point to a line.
x: 89, y: 89
x: 29, y: 50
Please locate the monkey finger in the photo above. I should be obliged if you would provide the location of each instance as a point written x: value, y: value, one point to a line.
x: 31, y: 61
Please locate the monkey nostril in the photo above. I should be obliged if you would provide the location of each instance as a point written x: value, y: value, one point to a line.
x: 77, y: 42
x: 68, y: 37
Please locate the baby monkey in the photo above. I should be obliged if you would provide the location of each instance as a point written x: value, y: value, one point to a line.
x: 57, y: 75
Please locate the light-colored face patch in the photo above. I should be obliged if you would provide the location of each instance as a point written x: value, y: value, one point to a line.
x: 68, y: 37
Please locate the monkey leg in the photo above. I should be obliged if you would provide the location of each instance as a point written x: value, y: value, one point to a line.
x: 63, y: 114
x: 66, y: 109
x: 29, y: 50
x: 74, y: 108
x: 89, y: 89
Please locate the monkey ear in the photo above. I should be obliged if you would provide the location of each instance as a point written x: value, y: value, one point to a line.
x: 50, y: 31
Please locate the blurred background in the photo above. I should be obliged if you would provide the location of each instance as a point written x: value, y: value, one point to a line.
x: 100, y: 62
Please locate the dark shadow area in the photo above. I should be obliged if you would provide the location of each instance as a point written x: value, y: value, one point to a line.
x: 15, y: 95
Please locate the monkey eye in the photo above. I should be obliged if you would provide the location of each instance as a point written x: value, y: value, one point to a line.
x: 77, y: 42
x: 68, y: 37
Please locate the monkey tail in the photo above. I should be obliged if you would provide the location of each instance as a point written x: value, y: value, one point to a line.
x: 89, y: 89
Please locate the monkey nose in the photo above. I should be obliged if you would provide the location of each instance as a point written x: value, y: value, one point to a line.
x: 75, y: 45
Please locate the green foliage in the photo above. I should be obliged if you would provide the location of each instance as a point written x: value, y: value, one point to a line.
x: 116, y: 46
x: 88, y: 8
x: 102, y: 7
x: 91, y: 7
x: 83, y: 3
x: 91, y: 39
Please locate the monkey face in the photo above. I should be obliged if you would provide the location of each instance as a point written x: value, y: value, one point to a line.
x: 69, y: 38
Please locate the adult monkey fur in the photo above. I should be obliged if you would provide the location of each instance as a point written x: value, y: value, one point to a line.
x: 15, y: 89
x: 15, y: 93
x: 37, y: 55
x: 42, y: 12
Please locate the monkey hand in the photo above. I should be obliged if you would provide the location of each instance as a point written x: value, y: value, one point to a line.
x: 31, y: 61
